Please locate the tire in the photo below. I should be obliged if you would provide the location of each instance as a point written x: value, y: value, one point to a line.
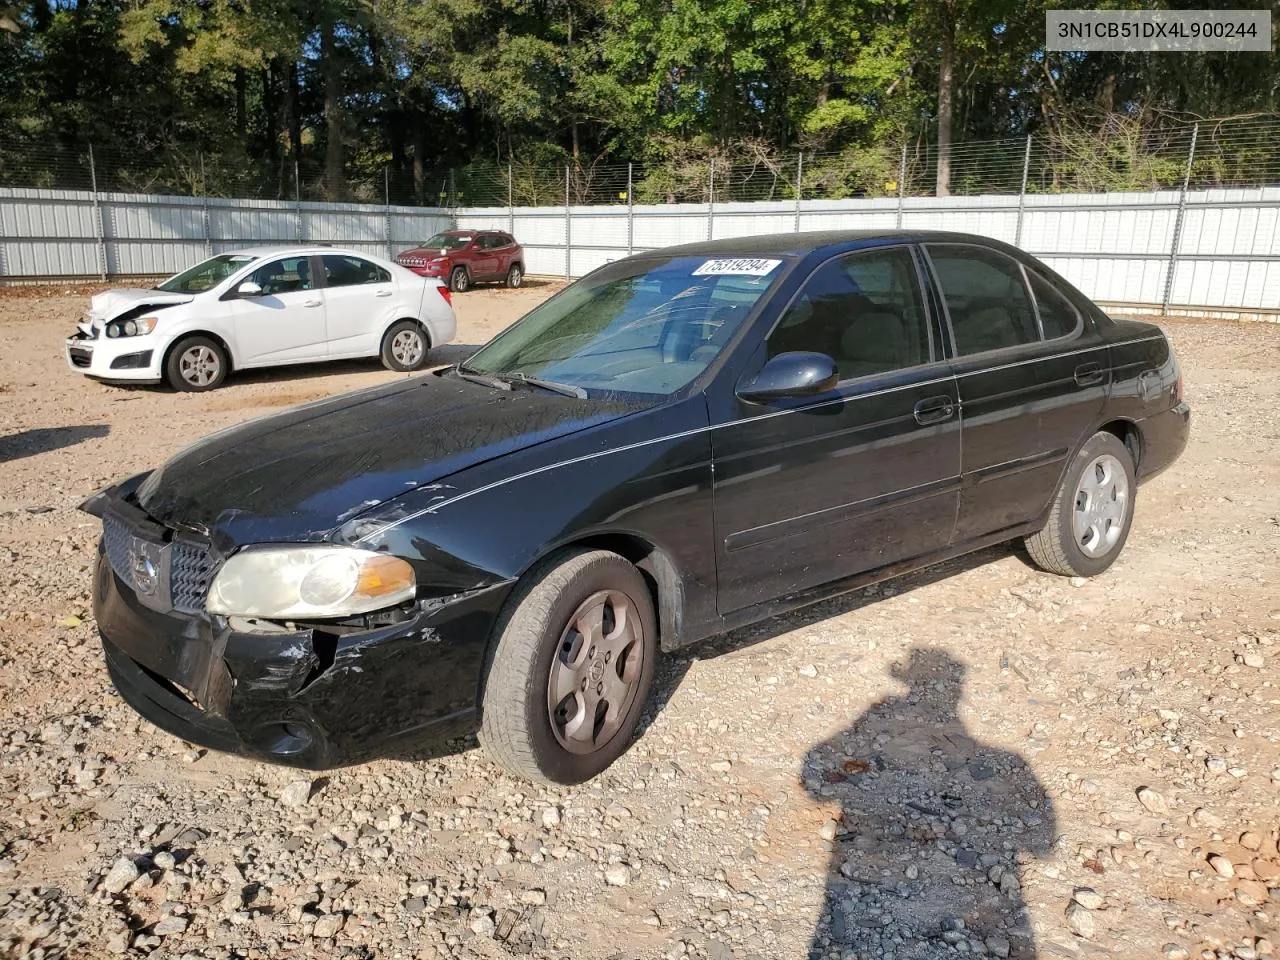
x: 515, y: 276
x: 538, y: 640
x: 459, y: 280
x: 196, y: 364
x: 1086, y: 530
x: 405, y: 347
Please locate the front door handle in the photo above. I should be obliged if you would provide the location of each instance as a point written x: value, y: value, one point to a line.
x: 383, y: 293
x: 1088, y: 374
x: 934, y: 410
x: 311, y: 303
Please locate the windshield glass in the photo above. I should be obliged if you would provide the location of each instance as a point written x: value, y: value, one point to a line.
x: 448, y: 241
x: 207, y: 275
x: 648, y: 326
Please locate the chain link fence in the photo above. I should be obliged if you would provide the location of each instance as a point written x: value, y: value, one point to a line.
x: 1122, y: 155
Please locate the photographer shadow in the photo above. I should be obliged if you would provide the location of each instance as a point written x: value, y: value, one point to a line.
x: 935, y: 827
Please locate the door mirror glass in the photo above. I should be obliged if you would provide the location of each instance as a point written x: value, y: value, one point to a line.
x: 249, y: 289
x: 795, y: 374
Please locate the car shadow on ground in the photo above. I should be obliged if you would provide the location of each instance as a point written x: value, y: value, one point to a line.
x: 28, y: 443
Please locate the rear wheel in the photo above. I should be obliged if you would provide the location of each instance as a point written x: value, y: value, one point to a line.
x: 404, y: 347
x: 196, y: 364
x: 1092, y: 513
x: 571, y: 668
x: 515, y: 276
x: 459, y: 280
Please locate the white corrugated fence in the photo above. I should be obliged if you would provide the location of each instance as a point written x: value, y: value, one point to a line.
x: 1212, y: 251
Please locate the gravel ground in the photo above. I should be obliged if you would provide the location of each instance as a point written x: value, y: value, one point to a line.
x: 976, y: 760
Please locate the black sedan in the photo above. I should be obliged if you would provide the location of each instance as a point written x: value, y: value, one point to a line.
x: 680, y: 443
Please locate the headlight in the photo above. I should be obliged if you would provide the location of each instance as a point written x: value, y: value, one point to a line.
x: 131, y: 328
x: 282, y: 582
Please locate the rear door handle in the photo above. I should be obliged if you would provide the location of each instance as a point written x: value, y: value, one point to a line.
x: 934, y: 410
x: 1088, y: 374
x: 311, y: 303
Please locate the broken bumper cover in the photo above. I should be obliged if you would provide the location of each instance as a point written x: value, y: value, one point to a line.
x: 305, y: 697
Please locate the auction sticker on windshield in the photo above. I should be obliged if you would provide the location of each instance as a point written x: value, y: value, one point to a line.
x: 740, y: 267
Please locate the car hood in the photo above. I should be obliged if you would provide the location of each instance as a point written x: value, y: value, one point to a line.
x: 300, y: 474
x: 111, y: 303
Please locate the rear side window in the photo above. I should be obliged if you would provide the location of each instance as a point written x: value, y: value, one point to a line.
x: 1058, y: 316
x: 987, y: 298
x: 342, y: 271
x: 863, y: 310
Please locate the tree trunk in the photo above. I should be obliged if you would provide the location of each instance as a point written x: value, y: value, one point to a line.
x: 419, y: 154
x: 1107, y: 95
x: 946, y: 93
x: 294, y: 111
x: 242, y: 109
x: 334, y: 187
x: 271, y: 124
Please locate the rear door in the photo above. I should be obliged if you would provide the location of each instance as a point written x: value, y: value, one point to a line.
x: 1033, y: 375
x: 358, y: 297
x: 810, y: 490
x: 286, y: 323
x: 484, y: 264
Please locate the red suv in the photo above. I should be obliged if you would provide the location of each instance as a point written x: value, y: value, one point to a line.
x: 464, y: 257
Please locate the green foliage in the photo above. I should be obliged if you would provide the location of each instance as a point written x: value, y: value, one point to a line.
x: 370, y: 99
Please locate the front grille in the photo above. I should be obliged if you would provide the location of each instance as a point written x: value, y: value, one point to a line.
x: 118, y: 542
x: 80, y: 357
x: 190, y: 573
x: 191, y: 566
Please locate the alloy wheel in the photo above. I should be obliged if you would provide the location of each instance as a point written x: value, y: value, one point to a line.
x: 199, y: 366
x: 407, y: 347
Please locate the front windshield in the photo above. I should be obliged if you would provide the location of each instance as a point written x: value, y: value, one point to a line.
x: 206, y: 275
x: 448, y: 241
x: 647, y: 326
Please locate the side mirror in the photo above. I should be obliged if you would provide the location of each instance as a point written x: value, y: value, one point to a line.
x: 796, y: 374
x: 249, y: 289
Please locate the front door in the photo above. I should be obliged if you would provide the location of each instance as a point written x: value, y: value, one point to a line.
x: 811, y: 490
x: 286, y: 322
x: 1033, y: 376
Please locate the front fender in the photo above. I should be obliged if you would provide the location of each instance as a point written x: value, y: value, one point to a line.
x: 646, y: 478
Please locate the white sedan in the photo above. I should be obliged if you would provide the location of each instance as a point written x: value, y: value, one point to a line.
x: 263, y: 308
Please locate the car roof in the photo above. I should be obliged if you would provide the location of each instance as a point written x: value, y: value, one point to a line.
x: 802, y: 244
x: 308, y: 250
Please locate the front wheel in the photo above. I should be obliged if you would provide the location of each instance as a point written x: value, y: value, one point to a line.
x: 459, y: 280
x: 515, y: 276
x: 571, y: 668
x: 1092, y: 512
x: 196, y: 364
x: 404, y: 348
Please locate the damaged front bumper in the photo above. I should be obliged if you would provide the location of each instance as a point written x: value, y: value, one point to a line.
x: 313, y: 696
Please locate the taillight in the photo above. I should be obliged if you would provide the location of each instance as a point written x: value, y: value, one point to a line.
x: 446, y: 293
x: 1177, y: 389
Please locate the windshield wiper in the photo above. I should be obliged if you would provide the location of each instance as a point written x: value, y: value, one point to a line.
x: 566, y: 389
x: 475, y: 376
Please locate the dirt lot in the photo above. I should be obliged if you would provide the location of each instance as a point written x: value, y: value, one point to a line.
x: 933, y: 768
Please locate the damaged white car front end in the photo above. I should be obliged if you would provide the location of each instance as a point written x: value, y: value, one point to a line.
x: 116, y: 339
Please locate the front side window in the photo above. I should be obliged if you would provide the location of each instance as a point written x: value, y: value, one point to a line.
x: 207, y: 274
x: 284, y: 276
x: 987, y: 298
x: 639, y: 326
x: 863, y: 310
x: 344, y: 271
